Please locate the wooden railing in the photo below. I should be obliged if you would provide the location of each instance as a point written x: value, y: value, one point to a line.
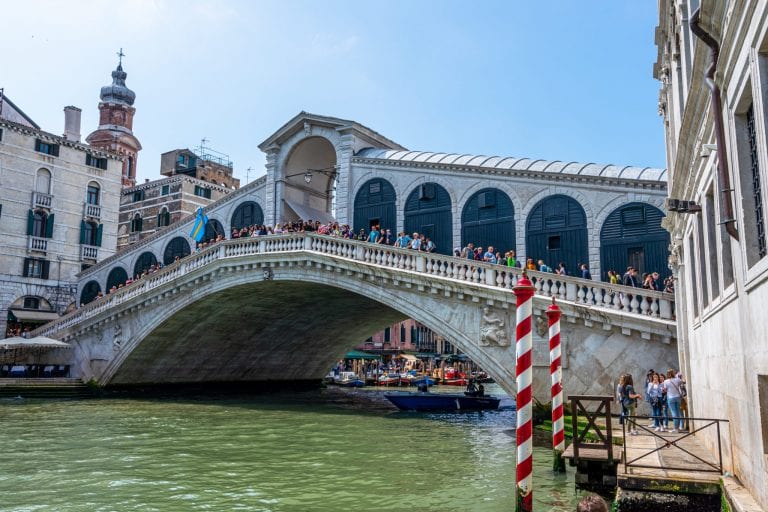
x: 593, y: 429
x: 593, y: 294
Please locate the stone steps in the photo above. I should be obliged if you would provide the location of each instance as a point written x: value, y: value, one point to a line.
x: 44, y: 388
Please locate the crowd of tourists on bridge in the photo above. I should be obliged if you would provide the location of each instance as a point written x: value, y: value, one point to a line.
x: 665, y: 394
x: 422, y: 243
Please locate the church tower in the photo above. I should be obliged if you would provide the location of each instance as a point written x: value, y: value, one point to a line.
x: 115, y: 131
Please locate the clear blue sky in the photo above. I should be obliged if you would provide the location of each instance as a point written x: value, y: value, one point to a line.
x: 557, y: 80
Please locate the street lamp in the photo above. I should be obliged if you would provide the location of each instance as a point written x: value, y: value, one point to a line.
x: 328, y: 171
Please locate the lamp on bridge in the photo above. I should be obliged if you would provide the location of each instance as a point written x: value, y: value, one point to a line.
x: 327, y: 171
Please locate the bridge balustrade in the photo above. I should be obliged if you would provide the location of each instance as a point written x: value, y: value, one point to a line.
x: 628, y: 300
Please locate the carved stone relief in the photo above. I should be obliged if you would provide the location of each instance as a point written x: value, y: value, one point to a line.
x: 493, y: 328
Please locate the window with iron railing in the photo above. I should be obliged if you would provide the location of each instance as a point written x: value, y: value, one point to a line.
x: 756, y: 183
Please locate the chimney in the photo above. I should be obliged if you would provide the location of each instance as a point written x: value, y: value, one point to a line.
x: 72, y: 123
x: 146, y: 180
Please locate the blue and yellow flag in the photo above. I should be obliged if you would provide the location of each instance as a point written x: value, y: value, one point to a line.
x: 198, y: 230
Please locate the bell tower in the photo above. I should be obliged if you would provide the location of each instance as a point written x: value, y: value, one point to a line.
x: 115, y: 131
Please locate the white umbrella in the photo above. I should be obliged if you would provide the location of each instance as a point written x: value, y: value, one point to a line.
x: 36, y: 342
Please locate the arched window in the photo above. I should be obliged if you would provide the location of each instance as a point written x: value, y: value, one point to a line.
x: 92, y: 193
x: 488, y: 219
x: 146, y: 260
x: 43, y: 183
x: 163, y: 218
x: 247, y: 214
x: 176, y: 247
x: 136, y: 223
x: 130, y: 167
x: 90, y: 291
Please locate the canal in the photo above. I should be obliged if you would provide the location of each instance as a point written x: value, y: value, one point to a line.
x: 331, y: 449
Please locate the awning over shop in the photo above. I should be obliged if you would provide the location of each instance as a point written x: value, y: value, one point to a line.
x: 308, y: 213
x: 359, y: 354
x: 26, y: 315
x: 37, y: 342
x: 407, y: 357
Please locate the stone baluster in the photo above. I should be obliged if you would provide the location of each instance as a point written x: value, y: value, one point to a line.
x: 666, y: 309
x: 644, y: 306
x: 654, y: 307
x: 580, y: 295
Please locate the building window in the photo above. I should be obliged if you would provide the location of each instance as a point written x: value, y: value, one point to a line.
x: 163, y: 218
x: 92, y: 194
x: 46, y: 148
x: 92, y: 161
x: 387, y: 335
x: 756, y: 185
x: 693, y: 277
x: 31, y: 303
x: 138, y: 195
x: 90, y: 233
x: 202, y: 192
x: 130, y: 166
x: 136, y: 223
x: 165, y: 190
x: 43, y: 181
x: 181, y: 160
x: 40, y: 224
x: 34, y: 267
x: 701, y: 252
x: 712, y: 246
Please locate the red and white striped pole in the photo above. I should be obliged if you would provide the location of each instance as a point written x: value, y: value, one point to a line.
x: 556, y: 376
x: 524, y: 293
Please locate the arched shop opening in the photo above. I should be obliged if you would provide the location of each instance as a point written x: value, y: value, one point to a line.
x: 375, y: 205
x: 556, y: 232
x: 428, y: 211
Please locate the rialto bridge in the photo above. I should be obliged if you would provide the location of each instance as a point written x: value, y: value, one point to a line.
x: 285, y: 307
x: 245, y: 310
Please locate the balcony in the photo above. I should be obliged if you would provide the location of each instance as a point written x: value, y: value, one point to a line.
x: 37, y: 244
x: 89, y: 252
x: 40, y: 200
x: 92, y: 210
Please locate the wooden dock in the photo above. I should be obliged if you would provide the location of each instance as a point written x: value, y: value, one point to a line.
x: 665, y: 462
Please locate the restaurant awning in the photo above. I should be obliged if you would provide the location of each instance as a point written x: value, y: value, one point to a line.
x: 26, y: 315
x: 36, y: 342
x: 359, y: 354
x: 308, y: 213
x: 408, y: 357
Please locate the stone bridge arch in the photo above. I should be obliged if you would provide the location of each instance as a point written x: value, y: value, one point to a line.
x: 225, y: 309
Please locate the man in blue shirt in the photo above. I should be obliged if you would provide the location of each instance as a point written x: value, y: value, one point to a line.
x: 489, y: 256
x: 585, y: 271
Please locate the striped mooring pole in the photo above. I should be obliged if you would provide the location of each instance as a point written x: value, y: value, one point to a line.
x: 556, y: 376
x: 524, y: 293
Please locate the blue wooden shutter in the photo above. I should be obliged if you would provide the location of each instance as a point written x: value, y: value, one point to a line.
x: 30, y: 222
x: 49, y: 226
x: 98, y: 235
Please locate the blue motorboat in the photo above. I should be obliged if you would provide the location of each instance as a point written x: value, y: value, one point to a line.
x: 421, y: 380
x: 426, y: 401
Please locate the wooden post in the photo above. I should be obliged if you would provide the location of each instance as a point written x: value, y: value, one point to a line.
x: 524, y: 293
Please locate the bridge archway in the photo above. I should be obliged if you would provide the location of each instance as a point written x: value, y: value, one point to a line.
x: 632, y: 235
x: 309, y: 175
x: 375, y: 203
x: 247, y: 214
x: 116, y: 277
x: 488, y: 218
x: 177, y: 247
x: 556, y: 231
x: 143, y: 262
x: 213, y: 228
x: 428, y: 210
x: 90, y: 292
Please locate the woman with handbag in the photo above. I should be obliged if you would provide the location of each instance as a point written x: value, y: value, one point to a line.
x: 674, y: 397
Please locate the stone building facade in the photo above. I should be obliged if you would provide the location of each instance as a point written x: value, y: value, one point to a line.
x: 151, y: 206
x: 58, y: 215
x: 206, y: 165
x: 713, y: 68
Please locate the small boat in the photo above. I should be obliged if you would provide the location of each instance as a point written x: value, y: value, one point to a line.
x: 389, y: 379
x: 426, y: 401
x: 454, y: 382
x: 349, y: 380
x: 420, y: 380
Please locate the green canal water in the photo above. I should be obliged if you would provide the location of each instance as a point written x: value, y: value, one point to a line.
x: 330, y: 449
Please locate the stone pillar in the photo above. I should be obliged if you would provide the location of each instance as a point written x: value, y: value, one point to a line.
x: 344, y: 179
x: 271, y: 210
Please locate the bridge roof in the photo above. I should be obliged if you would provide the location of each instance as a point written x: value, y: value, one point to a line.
x: 296, y: 124
x: 517, y: 164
